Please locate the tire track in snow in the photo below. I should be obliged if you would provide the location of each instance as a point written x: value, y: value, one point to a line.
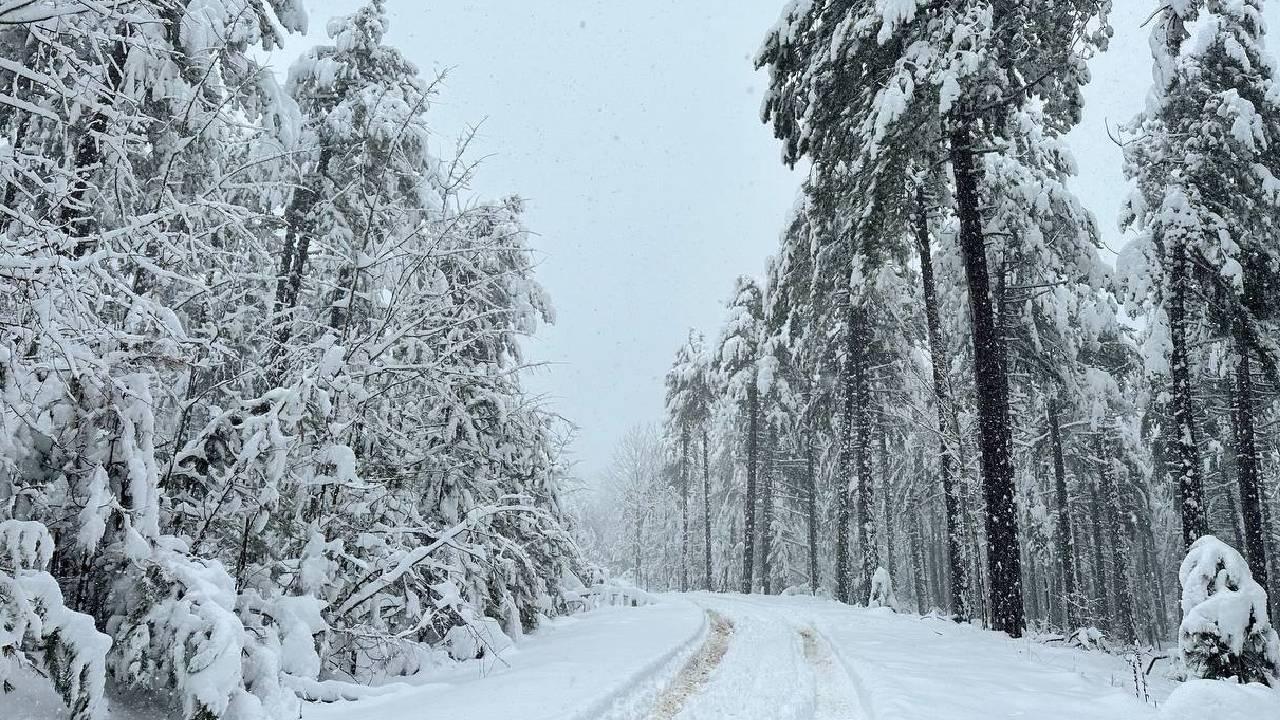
x: 697, y: 671
x: 848, y: 677
x: 763, y: 675
x: 836, y: 692
x: 839, y: 693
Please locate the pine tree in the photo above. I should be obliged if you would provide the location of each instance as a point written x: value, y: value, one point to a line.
x: 849, y: 85
x: 688, y: 410
x: 740, y: 356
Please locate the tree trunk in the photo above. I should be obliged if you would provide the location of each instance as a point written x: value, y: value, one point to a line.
x: 1184, y: 443
x: 942, y: 396
x: 1066, y: 538
x: 706, y: 509
x: 862, y: 452
x: 918, y: 563
x: 991, y: 386
x: 1123, y: 628
x: 766, y: 514
x: 1100, y: 585
x: 813, y: 515
x: 749, y: 504
x: 1248, y: 474
x: 845, y: 471
x: 886, y: 523
x: 684, y: 510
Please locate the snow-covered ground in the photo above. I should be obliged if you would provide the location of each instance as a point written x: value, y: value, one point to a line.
x: 609, y: 663
x: 787, y: 658
x: 733, y: 657
x: 813, y: 658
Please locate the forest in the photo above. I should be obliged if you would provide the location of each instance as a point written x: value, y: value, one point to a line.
x: 263, y: 434
x: 268, y: 451
x: 939, y: 389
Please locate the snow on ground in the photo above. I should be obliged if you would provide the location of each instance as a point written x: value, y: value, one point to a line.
x: 907, y: 667
x: 822, y: 660
x: 780, y: 658
x: 609, y: 663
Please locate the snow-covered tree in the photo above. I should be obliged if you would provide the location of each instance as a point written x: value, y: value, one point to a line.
x: 857, y: 86
x: 1225, y: 632
x: 1204, y: 265
x: 740, y: 357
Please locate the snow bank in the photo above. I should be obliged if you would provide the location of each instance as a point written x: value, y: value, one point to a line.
x: 1202, y: 699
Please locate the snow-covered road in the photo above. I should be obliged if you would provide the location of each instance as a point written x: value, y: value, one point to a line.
x: 772, y: 658
x: 807, y: 658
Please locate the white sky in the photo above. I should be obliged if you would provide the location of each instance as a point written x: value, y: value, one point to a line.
x: 633, y: 130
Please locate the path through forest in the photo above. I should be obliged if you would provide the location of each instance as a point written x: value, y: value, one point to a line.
x: 732, y: 657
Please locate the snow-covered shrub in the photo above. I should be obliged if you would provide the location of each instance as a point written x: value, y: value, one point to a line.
x: 180, y: 631
x: 1225, y: 632
x: 36, y: 627
x: 882, y: 591
x: 1087, y: 638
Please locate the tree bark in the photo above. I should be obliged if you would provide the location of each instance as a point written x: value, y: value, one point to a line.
x: 706, y: 509
x: 1248, y: 457
x: 766, y: 514
x: 991, y: 386
x: 845, y: 470
x: 1062, y: 504
x: 1101, y: 587
x: 942, y: 396
x: 886, y: 523
x: 862, y: 453
x: 749, y: 502
x: 684, y: 510
x: 813, y: 515
x: 1119, y: 541
x: 1185, y: 443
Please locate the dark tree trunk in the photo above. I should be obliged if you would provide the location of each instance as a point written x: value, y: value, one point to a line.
x: 766, y: 514
x: 1101, y: 587
x: 992, y: 390
x: 749, y: 504
x: 1233, y: 513
x: 846, y: 469
x: 1248, y: 472
x: 942, y: 396
x: 1184, y: 442
x: 1155, y: 577
x: 886, y: 523
x: 812, y: 477
x: 1118, y: 538
x: 917, y: 559
x: 862, y: 458
x: 1066, y: 537
x: 706, y: 509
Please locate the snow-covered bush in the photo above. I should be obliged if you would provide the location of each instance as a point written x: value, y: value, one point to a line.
x: 882, y: 591
x: 1225, y: 632
x: 37, y: 628
x: 180, y: 631
x: 1087, y: 638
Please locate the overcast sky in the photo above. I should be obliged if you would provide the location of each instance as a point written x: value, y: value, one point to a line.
x: 633, y: 130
